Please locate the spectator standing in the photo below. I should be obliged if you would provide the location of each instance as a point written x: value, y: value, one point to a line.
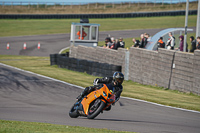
x: 193, y: 44
x: 120, y: 43
x: 147, y: 37
x: 198, y: 43
x: 107, y: 42
x: 161, y: 44
x: 181, y: 45
x: 136, y: 43
x: 143, y: 41
x: 171, y: 41
x: 114, y: 45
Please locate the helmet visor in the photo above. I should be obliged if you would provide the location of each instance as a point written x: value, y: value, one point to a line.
x: 120, y: 80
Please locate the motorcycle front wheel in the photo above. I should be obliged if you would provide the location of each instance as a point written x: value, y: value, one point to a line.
x: 73, y: 112
x: 95, y: 108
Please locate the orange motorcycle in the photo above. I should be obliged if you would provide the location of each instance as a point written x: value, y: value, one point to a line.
x: 94, y: 103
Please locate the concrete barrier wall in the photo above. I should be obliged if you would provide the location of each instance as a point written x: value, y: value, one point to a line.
x: 185, y: 75
x: 150, y: 67
x: 100, y: 54
x: 182, y: 72
x: 196, y: 73
x: 164, y: 68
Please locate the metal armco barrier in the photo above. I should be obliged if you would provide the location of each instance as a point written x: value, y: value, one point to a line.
x: 117, y: 15
x: 90, y: 67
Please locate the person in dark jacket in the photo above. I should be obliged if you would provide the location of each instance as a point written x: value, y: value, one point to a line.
x: 198, y: 43
x: 107, y: 42
x: 136, y: 43
x: 143, y: 41
x: 181, y: 45
x: 116, y: 81
x: 120, y: 43
x: 193, y: 44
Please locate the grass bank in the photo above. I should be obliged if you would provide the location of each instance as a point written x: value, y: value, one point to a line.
x: 41, y: 65
x: 21, y: 27
x: 92, y: 8
x: 33, y: 127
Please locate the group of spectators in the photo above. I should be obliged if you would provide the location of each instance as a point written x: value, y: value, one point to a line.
x: 112, y: 43
x: 144, y: 38
x: 195, y: 44
x: 170, y: 44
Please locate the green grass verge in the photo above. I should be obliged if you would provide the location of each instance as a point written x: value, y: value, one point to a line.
x: 20, y: 27
x: 35, y: 127
x: 41, y: 65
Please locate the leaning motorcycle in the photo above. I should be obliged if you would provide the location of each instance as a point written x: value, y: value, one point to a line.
x: 94, y: 103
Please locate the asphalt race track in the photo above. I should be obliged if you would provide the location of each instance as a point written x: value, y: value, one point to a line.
x: 51, y: 44
x: 28, y: 97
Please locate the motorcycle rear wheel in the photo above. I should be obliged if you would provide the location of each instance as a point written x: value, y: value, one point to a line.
x: 95, y: 108
x: 73, y: 112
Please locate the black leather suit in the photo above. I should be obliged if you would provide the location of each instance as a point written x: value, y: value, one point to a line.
x: 100, y: 82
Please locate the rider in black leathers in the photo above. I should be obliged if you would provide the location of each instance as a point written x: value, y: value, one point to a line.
x: 116, y: 81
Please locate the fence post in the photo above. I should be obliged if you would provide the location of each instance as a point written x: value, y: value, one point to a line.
x: 129, y: 4
x: 170, y: 3
x: 2, y: 5
x: 96, y: 6
x: 37, y: 5
x: 113, y: 5
x: 63, y: 5
x: 126, y: 71
x: 138, y: 3
x: 71, y: 6
x: 29, y: 5
x: 104, y: 5
x: 145, y: 3
x: 88, y: 7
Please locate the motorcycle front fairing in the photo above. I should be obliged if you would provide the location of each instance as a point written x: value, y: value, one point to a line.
x: 106, y: 93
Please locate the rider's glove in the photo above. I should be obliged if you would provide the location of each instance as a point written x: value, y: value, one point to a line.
x: 96, y: 81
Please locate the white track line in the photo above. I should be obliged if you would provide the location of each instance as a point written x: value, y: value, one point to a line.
x: 83, y: 88
x: 63, y: 50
